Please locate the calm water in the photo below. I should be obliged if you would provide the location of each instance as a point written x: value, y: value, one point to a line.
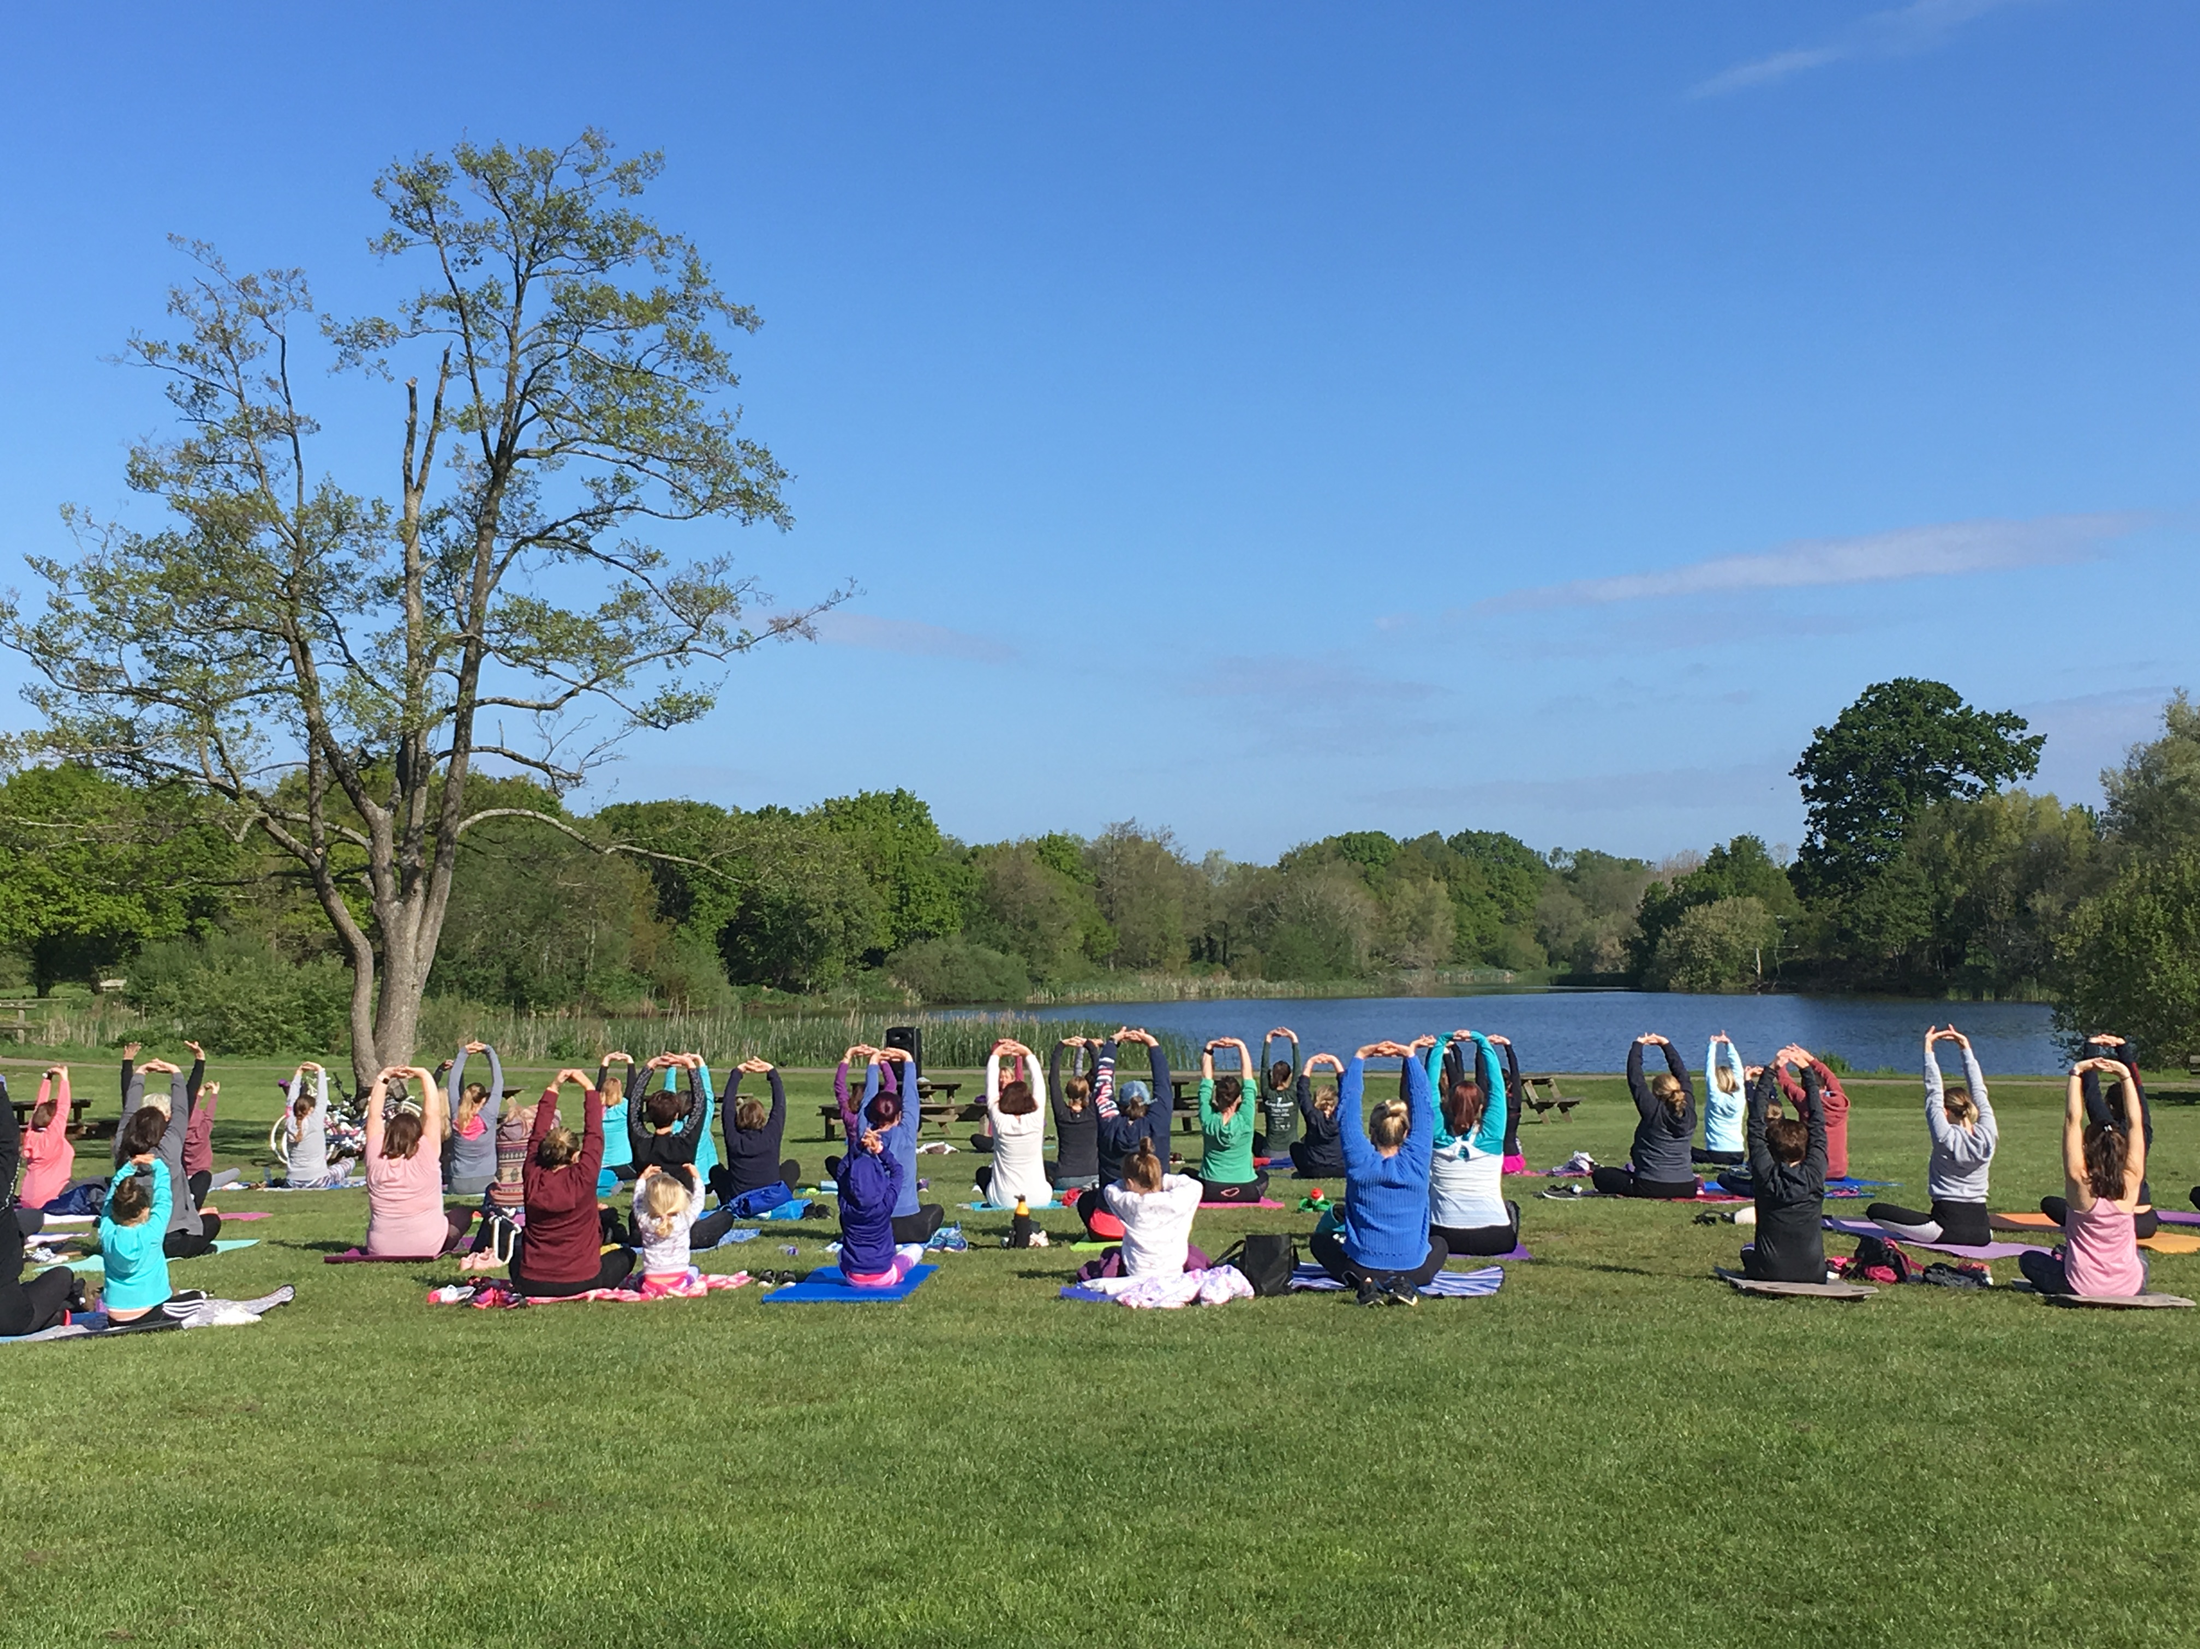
x: 1591, y: 1030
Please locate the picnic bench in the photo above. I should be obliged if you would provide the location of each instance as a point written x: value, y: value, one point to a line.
x: 942, y: 1110
x: 74, y: 1126
x: 1540, y: 1094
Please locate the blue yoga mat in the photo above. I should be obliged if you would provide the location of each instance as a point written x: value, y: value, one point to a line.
x: 826, y: 1286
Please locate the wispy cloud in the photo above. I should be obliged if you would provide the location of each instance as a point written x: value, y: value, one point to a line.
x: 1902, y: 32
x: 1330, y: 682
x: 908, y: 635
x: 1911, y: 552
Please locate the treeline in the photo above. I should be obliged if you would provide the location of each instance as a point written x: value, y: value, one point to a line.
x: 1924, y: 872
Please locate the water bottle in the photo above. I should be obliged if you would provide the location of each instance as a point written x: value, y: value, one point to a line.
x: 1022, y: 1226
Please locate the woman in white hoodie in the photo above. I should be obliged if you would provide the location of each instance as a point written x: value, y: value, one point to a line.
x: 1157, y: 1210
x: 1018, y: 1112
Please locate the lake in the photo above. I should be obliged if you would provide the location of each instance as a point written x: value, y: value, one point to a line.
x: 1590, y: 1031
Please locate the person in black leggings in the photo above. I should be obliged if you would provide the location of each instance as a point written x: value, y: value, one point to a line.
x: 47, y: 1299
x: 1666, y: 1108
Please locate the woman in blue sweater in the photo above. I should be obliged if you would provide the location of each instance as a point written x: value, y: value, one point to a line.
x: 1384, y: 1249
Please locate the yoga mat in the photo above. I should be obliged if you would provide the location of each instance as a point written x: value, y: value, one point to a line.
x: 2176, y: 1216
x: 359, y: 1256
x: 791, y: 1210
x: 248, y: 1214
x: 826, y: 1286
x: 1035, y: 1207
x: 2021, y: 1222
x: 739, y: 1233
x: 2121, y: 1302
x: 1448, y: 1285
x: 1988, y: 1251
x: 1849, y: 1182
x: 2162, y: 1242
x: 1806, y: 1291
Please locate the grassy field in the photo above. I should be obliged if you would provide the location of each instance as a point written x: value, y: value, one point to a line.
x: 1613, y: 1450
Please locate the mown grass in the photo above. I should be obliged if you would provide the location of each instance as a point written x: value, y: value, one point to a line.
x: 1613, y: 1450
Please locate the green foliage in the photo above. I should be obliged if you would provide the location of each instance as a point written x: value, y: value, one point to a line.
x: 924, y: 885
x: 1741, y: 868
x: 239, y: 997
x: 958, y: 970
x: 1025, y: 907
x: 91, y: 869
x: 1902, y: 746
x: 2154, y: 798
x: 1997, y: 878
x: 1714, y: 946
x: 1154, y: 903
x: 2133, y: 956
x: 1585, y: 916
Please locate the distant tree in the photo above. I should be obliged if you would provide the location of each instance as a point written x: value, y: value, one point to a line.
x: 1740, y: 869
x: 1155, y: 902
x: 1025, y: 907
x: 92, y: 869
x: 330, y: 664
x: 923, y: 880
x: 1714, y: 946
x: 1998, y: 879
x: 2154, y: 797
x: 1902, y: 746
x: 2132, y: 958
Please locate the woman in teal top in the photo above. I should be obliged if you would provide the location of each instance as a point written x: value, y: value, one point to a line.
x: 132, y: 1230
x: 1227, y: 1122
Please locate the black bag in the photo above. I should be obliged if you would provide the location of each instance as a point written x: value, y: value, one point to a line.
x: 1266, y: 1260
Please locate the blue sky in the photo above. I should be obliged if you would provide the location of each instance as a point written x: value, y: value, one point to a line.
x: 1269, y: 420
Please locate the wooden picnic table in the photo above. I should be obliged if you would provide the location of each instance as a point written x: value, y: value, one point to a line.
x: 74, y: 1126
x: 1549, y: 1099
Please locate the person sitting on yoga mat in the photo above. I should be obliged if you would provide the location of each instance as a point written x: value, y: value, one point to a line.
x: 1018, y: 1113
x: 1382, y: 1246
x: 470, y: 1148
x: 622, y: 1097
x: 1155, y: 1210
x: 914, y: 1221
x: 2097, y: 1110
x: 131, y: 1246
x: 1833, y: 1100
x: 1725, y: 1100
x: 47, y: 1299
x: 1124, y: 1125
x: 1665, y: 1108
x: 1960, y: 1119
x: 158, y: 1126
x: 1226, y: 1123
x: 1787, y: 1171
x: 49, y: 1156
x: 666, y: 1204
x: 1280, y: 1087
x: 1076, y: 1164
x: 405, y: 1215
x: 870, y: 1180
x: 304, y: 1128
x: 2103, y: 1170
x: 1466, y: 1204
x: 754, y: 1137
x: 664, y: 1126
x: 562, y: 1250
x: 1319, y: 1152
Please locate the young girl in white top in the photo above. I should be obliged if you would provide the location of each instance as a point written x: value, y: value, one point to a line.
x: 1019, y: 1115
x: 665, y: 1206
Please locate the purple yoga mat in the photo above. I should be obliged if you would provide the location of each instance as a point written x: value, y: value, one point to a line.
x: 1989, y: 1251
x: 2176, y: 1216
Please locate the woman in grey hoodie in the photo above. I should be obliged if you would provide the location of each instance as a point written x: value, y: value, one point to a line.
x: 1961, y: 1121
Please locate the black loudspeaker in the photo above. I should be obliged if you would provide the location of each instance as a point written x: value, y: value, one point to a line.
x: 910, y: 1037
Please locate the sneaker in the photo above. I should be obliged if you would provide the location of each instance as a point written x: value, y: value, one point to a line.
x: 1369, y: 1293
x: 1401, y: 1292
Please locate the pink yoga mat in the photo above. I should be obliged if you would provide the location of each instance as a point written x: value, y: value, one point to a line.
x: 359, y: 1256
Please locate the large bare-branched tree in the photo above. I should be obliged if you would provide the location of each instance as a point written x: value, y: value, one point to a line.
x: 330, y: 664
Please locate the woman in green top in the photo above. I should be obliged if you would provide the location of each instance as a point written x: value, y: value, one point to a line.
x: 1226, y: 1119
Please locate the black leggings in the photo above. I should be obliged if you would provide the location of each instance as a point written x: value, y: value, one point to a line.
x: 1624, y: 1182
x: 2143, y: 1224
x: 1962, y: 1223
x: 1480, y: 1239
x: 1329, y: 1254
x: 40, y: 1303
x: 617, y: 1262
x: 918, y: 1227
x: 1094, y: 1202
x: 179, y: 1244
x: 724, y: 1188
x: 1725, y: 1159
x: 1315, y: 1162
x: 29, y: 1221
x: 1251, y: 1190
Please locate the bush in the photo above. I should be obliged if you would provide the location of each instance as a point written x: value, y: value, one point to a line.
x: 239, y: 997
x: 957, y: 970
x: 1713, y: 947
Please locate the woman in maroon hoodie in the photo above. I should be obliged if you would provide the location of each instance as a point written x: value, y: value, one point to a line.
x: 562, y: 1249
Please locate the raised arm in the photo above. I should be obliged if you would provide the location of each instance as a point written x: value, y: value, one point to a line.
x: 1644, y: 1100
x: 1679, y: 1067
x: 192, y: 1082
x: 2135, y: 1136
x: 698, y: 1103
x: 1761, y: 1163
x: 1420, y: 1143
x: 493, y: 1106
x: 1489, y: 1139
x: 2073, y: 1134
x: 1103, y: 1080
x: 375, y: 1095
x: 1814, y: 1122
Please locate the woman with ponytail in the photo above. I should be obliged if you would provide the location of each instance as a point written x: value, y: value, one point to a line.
x: 1466, y: 1203
x: 1382, y: 1244
x: 1156, y: 1209
x: 1666, y: 1108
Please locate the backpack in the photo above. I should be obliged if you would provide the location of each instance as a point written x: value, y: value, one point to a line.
x: 1886, y: 1254
x: 1266, y: 1260
x: 751, y: 1204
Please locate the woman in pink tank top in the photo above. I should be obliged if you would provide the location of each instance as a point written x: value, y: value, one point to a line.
x: 405, y: 1171
x: 2104, y: 1169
